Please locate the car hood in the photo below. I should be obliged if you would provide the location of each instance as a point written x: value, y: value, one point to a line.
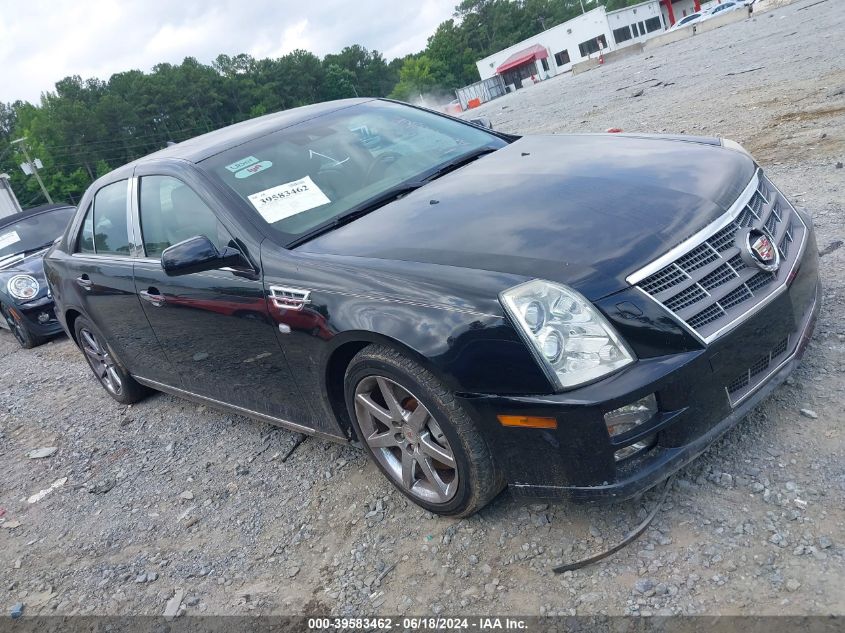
x: 584, y: 210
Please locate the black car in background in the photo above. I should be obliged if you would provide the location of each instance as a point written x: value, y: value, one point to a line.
x: 572, y: 316
x: 26, y: 305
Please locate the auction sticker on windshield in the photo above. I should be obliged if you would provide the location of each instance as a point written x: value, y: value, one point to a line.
x: 240, y: 164
x: 7, y: 239
x: 288, y: 199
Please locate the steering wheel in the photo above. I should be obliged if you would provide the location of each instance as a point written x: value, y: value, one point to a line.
x: 382, y: 162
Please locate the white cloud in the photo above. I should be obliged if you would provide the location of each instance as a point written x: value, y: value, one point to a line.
x: 43, y: 41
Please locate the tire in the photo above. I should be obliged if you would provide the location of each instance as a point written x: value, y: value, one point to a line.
x: 23, y: 336
x: 104, y: 364
x: 414, y: 453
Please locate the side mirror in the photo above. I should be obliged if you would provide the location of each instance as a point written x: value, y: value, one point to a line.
x: 483, y: 121
x: 197, y: 254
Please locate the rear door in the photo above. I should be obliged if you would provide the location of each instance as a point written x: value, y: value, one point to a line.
x: 215, y: 326
x: 103, y: 288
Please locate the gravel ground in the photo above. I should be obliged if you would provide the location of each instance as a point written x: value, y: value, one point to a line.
x: 167, y: 498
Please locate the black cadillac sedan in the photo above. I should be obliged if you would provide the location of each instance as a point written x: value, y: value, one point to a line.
x: 570, y: 316
x: 26, y: 306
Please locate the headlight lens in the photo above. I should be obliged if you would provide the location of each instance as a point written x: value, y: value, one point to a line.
x: 23, y: 287
x: 573, y: 339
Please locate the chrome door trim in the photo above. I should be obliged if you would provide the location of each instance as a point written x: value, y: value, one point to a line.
x: 219, y: 404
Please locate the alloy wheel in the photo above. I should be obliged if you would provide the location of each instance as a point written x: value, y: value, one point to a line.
x: 406, y: 439
x: 101, y: 361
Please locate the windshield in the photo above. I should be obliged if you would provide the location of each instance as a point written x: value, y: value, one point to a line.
x: 33, y: 232
x: 310, y: 174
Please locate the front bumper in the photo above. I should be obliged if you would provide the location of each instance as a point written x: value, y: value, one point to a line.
x: 576, y: 460
x: 39, y: 317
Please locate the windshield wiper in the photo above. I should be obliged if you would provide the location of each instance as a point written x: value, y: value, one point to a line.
x: 385, y: 197
x: 458, y: 162
x: 392, y: 194
x: 38, y: 248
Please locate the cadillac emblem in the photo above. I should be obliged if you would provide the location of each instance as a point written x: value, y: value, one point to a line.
x: 759, y: 250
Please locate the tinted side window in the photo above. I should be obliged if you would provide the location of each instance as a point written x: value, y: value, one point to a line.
x: 111, y: 234
x: 85, y: 241
x: 171, y: 212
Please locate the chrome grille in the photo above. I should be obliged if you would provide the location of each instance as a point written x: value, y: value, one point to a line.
x: 745, y: 382
x: 708, y: 285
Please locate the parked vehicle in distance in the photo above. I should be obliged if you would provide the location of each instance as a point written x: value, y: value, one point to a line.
x: 26, y: 305
x: 572, y: 316
x: 726, y: 7
x: 689, y: 20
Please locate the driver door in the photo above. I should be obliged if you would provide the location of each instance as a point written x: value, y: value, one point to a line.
x: 214, y: 326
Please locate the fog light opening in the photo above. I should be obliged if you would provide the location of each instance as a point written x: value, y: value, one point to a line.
x: 43, y: 317
x: 630, y: 416
x: 636, y: 448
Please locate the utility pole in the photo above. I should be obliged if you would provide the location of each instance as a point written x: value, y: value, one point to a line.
x: 542, y: 21
x: 34, y: 167
x: 583, y: 10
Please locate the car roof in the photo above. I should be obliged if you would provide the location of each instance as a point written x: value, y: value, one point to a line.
x: 28, y: 213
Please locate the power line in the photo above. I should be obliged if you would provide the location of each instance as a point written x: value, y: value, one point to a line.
x: 118, y: 141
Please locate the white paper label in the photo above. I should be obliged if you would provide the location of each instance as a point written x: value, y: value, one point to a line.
x: 289, y: 199
x: 7, y: 239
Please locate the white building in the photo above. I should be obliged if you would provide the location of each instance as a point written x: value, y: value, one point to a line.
x: 553, y: 51
x: 636, y: 23
x: 8, y: 202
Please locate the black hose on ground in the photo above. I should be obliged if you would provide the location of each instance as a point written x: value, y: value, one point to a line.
x: 632, y: 536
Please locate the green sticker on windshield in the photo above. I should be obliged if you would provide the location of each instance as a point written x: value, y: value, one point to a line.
x: 240, y: 164
x: 254, y: 169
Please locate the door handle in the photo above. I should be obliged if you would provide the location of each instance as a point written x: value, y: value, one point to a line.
x: 85, y: 282
x: 152, y: 295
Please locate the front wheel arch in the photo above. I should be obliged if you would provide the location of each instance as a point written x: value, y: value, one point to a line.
x: 342, y: 354
x: 70, y: 319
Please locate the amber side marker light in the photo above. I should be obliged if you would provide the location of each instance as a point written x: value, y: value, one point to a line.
x: 527, y: 421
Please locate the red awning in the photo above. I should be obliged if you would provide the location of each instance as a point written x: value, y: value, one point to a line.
x: 523, y: 57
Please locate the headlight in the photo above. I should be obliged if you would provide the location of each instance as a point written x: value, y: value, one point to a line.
x: 729, y: 144
x: 572, y: 339
x: 23, y: 287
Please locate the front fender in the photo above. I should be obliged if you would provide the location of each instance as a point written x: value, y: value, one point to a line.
x: 432, y: 313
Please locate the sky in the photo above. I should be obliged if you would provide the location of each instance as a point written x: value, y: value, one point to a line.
x: 43, y: 41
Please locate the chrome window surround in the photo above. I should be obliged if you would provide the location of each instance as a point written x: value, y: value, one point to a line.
x: 702, y: 236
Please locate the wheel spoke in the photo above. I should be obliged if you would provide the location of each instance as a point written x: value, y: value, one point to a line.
x: 92, y: 342
x: 408, y: 462
x: 418, y: 417
x: 382, y: 440
x: 435, y: 451
x: 114, y: 377
x: 92, y: 354
x: 373, y: 409
x: 440, y: 486
x: 389, y: 399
